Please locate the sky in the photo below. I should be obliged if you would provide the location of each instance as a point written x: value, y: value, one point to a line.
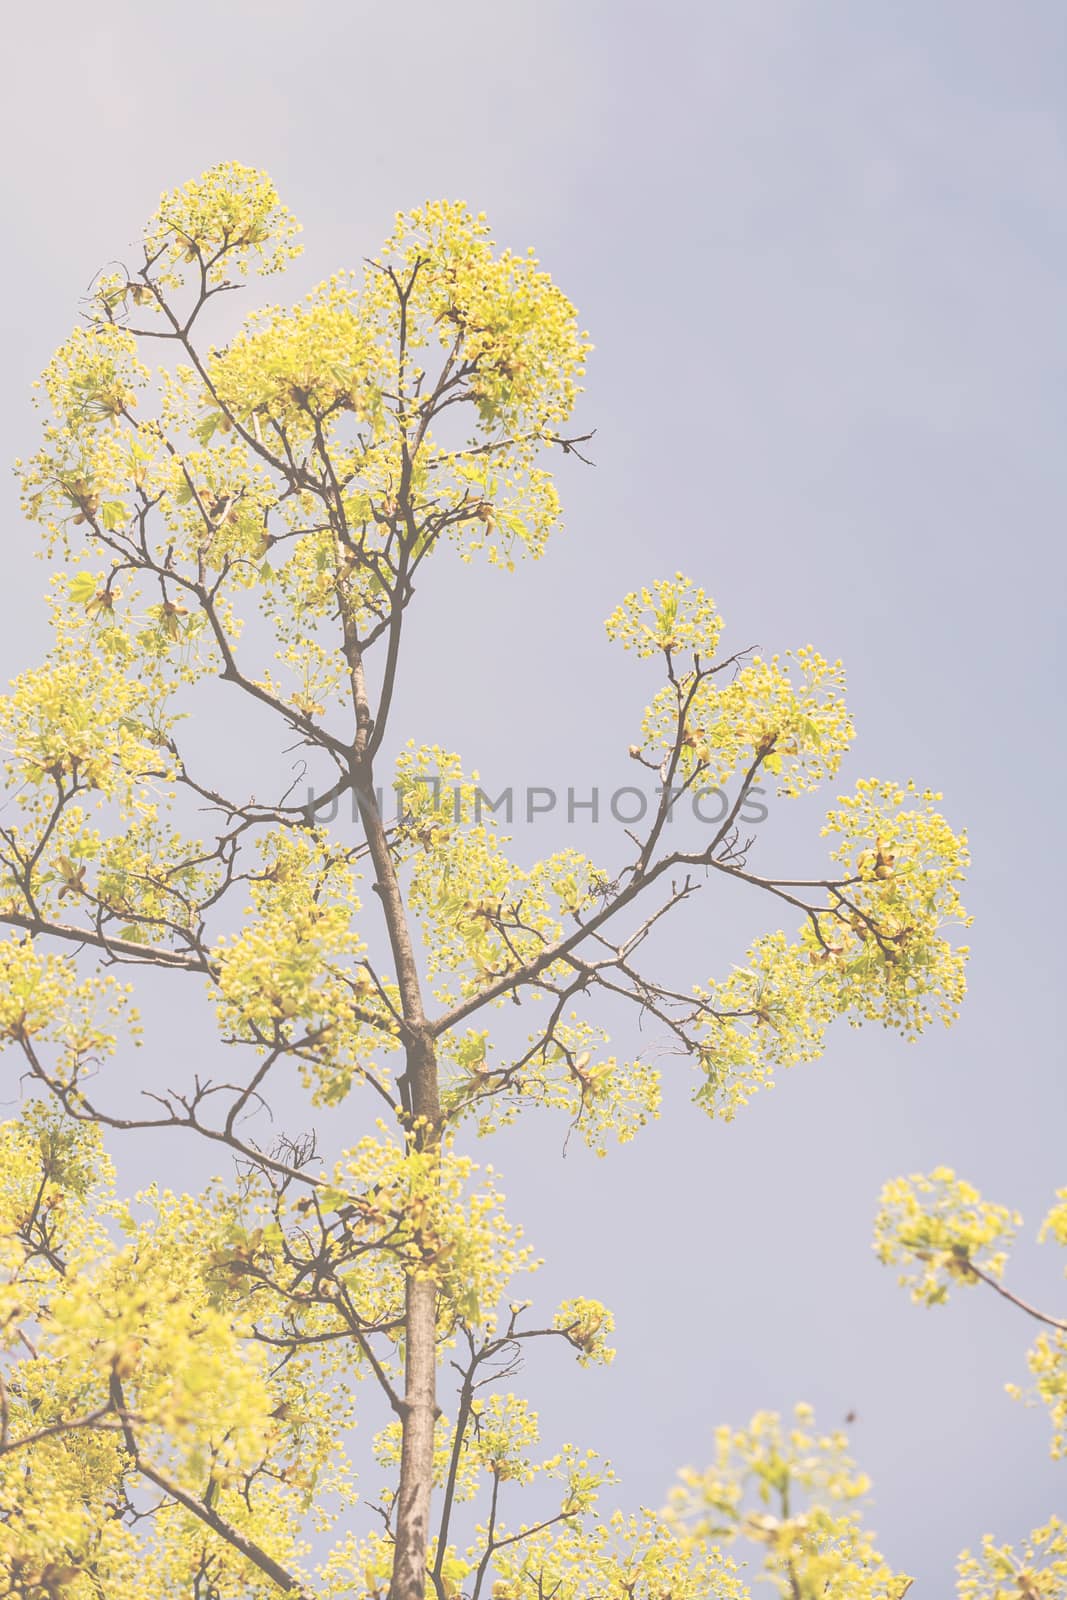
x: 820, y: 251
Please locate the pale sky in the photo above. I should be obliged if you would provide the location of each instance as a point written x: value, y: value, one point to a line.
x: 820, y: 250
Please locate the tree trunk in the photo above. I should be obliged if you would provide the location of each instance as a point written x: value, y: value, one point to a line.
x: 416, y: 1455
x: 419, y: 1412
x: 412, y: 1530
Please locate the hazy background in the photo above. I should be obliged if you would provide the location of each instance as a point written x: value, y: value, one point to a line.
x: 820, y: 249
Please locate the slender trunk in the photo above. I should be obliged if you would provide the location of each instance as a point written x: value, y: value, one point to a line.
x: 416, y: 1451
x: 422, y: 1100
x: 419, y: 1417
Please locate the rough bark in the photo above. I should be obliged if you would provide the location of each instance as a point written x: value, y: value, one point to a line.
x: 421, y: 1099
x: 416, y: 1453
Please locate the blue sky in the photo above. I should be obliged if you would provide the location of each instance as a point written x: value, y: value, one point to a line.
x: 820, y: 250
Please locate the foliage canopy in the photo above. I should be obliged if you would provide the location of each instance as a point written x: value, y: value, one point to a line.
x: 181, y: 1372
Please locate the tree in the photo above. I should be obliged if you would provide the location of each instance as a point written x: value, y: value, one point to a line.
x: 800, y: 1497
x: 943, y: 1235
x: 180, y: 1373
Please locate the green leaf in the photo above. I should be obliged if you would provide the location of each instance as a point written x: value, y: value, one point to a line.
x: 112, y: 514
x: 205, y: 430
